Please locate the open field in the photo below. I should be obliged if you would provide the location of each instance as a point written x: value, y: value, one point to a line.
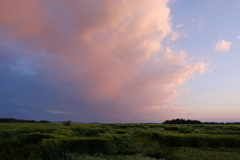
x: 55, y: 141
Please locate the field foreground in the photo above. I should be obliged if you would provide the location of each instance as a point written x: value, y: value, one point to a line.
x: 55, y: 141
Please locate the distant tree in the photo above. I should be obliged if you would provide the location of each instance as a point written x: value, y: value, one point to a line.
x: 67, y: 123
x: 44, y: 121
x: 182, y: 121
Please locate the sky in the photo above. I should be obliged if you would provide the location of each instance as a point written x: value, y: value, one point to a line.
x: 125, y: 61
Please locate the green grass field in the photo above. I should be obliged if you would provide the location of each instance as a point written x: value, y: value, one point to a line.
x: 56, y: 141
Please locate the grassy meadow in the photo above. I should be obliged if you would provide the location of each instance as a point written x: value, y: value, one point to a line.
x: 56, y: 141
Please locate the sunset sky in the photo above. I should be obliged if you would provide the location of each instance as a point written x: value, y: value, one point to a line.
x: 120, y: 61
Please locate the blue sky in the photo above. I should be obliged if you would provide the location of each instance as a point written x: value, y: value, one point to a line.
x: 216, y: 92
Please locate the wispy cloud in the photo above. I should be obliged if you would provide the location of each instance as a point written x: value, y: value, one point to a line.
x: 60, y: 112
x: 238, y: 37
x: 190, y: 114
x: 200, y: 25
x: 223, y: 46
x: 179, y: 25
x: 175, y: 36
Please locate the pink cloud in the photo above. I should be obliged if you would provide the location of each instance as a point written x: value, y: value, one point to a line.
x: 223, y: 46
x: 111, y: 52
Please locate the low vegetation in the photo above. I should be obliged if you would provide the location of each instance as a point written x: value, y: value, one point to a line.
x: 57, y: 141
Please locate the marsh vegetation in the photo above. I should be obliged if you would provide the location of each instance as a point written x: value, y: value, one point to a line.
x: 56, y: 141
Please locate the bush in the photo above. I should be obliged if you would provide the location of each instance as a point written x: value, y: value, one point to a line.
x: 194, y: 140
x: 44, y: 121
x: 186, y: 130
x: 120, y: 131
x: 33, y: 138
x: 87, y: 132
x: 158, y: 151
x: 67, y: 123
x: 172, y: 128
x: 55, y: 149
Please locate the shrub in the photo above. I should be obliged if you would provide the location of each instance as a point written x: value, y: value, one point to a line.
x: 186, y: 130
x: 194, y: 140
x: 7, y: 134
x: 33, y: 138
x: 61, y: 148
x: 172, y: 128
x: 158, y: 151
x: 67, y: 123
x: 120, y: 131
x: 87, y: 132
x: 44, y: 121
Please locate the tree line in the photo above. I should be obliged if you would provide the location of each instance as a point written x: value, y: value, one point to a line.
x: 182, y: 121
x: 13, y: 120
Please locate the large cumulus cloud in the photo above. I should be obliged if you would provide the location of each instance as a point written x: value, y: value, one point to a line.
x: 104, y: 60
